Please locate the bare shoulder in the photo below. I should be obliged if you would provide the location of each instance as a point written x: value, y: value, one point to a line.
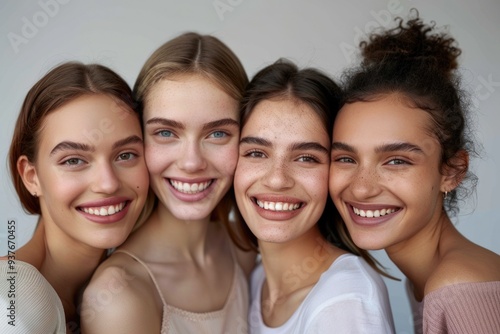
x: 120, y: 299
x: 468, y: 264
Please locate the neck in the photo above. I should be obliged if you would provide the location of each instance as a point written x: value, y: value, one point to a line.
x: 67, y: 265
x: 170, y: 238
x: 296, y: 264
x: 418, y: 256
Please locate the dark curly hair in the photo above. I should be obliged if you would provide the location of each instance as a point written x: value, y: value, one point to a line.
x: 418, y: 62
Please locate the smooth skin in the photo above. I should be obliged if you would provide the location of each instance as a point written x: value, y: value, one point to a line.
x: 191, y: 143
x: 90, y: 158
x: 387, y: 181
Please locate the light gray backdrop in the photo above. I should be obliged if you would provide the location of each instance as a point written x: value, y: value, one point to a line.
x: 37, y: 35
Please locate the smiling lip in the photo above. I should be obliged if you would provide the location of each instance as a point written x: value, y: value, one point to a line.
x: 190, y: 190
x: 371, y: 215
x: 278, y: 208
x: 105, y: 211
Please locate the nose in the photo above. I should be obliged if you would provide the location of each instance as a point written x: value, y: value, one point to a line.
x: 365, y: 183
x: 105, y: 179
x: 191, y: 157
x: 279, y: 176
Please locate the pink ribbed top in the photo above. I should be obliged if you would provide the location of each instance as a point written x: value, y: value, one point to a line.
x: 459, y: 308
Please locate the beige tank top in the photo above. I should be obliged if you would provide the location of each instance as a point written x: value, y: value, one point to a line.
x: 231, y: 319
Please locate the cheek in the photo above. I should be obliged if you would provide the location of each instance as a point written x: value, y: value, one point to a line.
x: 156, y: 158
x: 338, y: 180
x: 226, y: 159
x: 317, y: 183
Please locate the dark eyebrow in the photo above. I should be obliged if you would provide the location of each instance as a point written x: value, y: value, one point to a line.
x: 129, y: 140
x: 339, y: 146
x: 221, y: 122
x: 256, y: 141
x: 165, y: 122
x: 408, y: 147
x: 310, y: 146
x: 295, y: 146
x: 71, y: 145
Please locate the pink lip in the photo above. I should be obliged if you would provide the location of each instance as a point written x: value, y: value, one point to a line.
x: 370, y: 222
x: 191, y: 197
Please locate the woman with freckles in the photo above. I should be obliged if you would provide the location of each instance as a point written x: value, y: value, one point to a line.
x: 181, y: 272
x: 400, y: 156
x: 77, y: 161
x: 311, y: 279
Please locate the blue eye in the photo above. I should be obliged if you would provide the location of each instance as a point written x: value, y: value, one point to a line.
x: 165, y: 133
x: 218, y: 134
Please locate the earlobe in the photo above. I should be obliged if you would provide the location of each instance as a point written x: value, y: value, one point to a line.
x: 455, y: 171
x: 28, y: 174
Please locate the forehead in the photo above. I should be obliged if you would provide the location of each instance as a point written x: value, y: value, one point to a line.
x: 284, y: 117
x: 387, y: 119
x: 91, y: 119
x: 189, y: 96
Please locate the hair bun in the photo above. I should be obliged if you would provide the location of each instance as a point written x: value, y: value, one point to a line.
x: 415, y: 41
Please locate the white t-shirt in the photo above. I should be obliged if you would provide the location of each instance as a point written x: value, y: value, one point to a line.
x: 28, y: 303
x: 350, y: 297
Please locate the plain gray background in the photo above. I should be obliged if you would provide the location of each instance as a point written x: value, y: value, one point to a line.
x: 37, y: 35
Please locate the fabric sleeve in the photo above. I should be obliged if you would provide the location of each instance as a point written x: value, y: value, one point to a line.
x: 350, y: 316
x: 463, y: 308
x: 28, y: 303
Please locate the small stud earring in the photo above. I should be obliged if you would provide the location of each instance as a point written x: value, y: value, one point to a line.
x: 34, y: 194
x: 445, y: 195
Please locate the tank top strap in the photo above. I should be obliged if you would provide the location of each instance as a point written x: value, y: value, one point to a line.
x: 135, y: 257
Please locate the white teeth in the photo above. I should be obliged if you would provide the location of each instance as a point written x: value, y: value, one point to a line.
x: 105, y: 210
x: 278, y: 206
x: 372, y: 213
x: 190, y: 188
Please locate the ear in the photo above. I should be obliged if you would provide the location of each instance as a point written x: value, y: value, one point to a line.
x: 28, y: 174
x: 454, y: 171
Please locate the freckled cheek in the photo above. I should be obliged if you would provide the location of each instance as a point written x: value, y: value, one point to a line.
x: 316, y: 183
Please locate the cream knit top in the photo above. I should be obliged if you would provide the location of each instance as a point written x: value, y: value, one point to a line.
x: 28, y: 303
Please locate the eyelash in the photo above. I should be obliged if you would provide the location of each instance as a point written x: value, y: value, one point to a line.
x: 131, y: 156
x: 224, y: 134
x: 344, y: 160
x: 308, y: 158
x: 399, y: 162
x: 254, y: 154
x: 159, y: 133
x: 66, y: 162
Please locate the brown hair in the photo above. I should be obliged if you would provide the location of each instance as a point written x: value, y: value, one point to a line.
x: 59, y: 86
x: 192, y: 53
x: 205, y: 55
x: 283, y: 79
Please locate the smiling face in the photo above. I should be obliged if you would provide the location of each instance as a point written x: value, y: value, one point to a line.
x: 90, y: 174
x: 191, y: 140
x: 385, y: 174
x: 281, y: 178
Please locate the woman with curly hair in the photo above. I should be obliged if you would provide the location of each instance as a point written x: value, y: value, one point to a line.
x: 400, y: 158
